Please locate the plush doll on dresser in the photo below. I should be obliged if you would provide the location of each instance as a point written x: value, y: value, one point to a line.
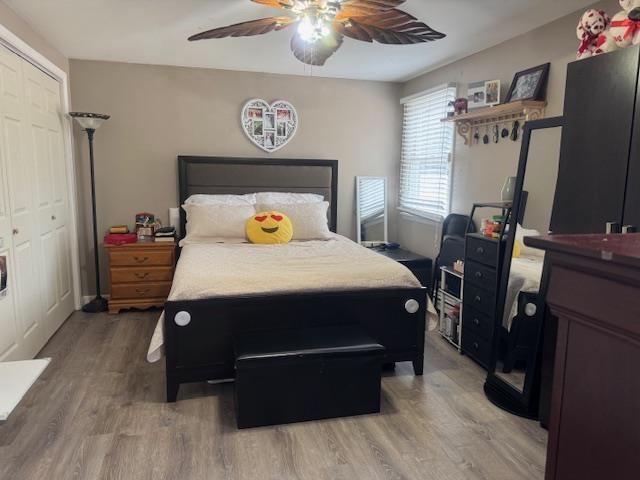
x: 591, y: 27
x: 625, y: 25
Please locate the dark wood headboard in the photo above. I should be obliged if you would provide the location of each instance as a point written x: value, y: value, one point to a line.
x: 229, y: 175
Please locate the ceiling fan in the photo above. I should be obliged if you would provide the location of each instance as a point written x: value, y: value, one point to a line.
x: 323, y: 24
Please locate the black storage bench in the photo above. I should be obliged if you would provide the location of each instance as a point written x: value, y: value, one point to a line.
x: 307, y: 374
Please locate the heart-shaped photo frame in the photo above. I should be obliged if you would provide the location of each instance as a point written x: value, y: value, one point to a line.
x: 270, y: 127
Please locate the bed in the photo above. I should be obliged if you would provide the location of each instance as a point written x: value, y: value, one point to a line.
x: 217, y: 295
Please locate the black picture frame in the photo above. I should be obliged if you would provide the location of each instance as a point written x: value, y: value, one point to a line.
x: 539, y: 92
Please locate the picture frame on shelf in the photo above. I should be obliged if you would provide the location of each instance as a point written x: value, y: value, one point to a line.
x: 492, y: 92
x: 530, y: 84
x: 476, y: 95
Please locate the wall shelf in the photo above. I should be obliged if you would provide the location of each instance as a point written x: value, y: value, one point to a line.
x: 507, y: 112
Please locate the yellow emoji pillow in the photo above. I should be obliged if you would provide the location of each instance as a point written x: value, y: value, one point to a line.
x: 269, y: 228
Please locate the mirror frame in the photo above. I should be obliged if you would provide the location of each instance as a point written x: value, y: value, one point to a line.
x: 386, y: 212
x: 498, y: 391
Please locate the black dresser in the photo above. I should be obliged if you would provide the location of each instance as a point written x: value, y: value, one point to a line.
x: 483, y: 259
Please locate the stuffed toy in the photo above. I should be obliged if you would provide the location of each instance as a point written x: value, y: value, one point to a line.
x: 269, y: 228
x: 592, y: 25
x: 625, y: 27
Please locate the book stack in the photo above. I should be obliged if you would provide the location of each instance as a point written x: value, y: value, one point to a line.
x: 166, y: 234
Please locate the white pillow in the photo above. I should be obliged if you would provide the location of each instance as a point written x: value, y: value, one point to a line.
x: 217, y: 221
x: 309, y: 220
x: 287, y: 198
x: 522, y: 232
x: 204, y: 199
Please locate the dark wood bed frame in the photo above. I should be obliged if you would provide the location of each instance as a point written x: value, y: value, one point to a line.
x: 203, y: 349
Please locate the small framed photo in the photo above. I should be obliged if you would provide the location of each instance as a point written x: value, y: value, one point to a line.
x: 476, y: 95
x: 270, y: 139
x: 283, y: 114
x: 529, y: 84
x: 282, y: 129
x: 492, y: 92
x: 270, y: 120
x: 255, y: 113
x: 258, y: 128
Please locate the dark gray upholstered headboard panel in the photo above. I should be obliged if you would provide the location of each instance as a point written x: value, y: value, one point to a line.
x: 220, y: 175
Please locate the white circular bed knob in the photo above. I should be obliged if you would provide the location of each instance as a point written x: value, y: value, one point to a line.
x: 412, y: 306
x: 530, y: 309
x: 182, y: 319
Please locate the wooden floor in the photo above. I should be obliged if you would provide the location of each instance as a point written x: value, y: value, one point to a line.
x: 98, y: 412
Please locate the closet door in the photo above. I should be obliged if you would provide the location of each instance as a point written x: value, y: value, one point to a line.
x: 9, y: 329
x: 42, y: 101
x: 36, y: 205
x: 18, y: 159
x: 599, y: 111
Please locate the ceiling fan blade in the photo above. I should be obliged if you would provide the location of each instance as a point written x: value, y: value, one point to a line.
x: 276, y: 3
x: 316, y: 53
x: 246, y: 29
x: 392, y: 27
x: 360, y: 8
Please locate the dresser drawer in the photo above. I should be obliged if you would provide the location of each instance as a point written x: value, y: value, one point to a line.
x: 141, y: 274
x: 141, y: 290
x: 480, y: 299
x: 476, y: 348
x: 480, y: 275
x: 141, y: 257
x: 482, y: 250
x: 478, y: 323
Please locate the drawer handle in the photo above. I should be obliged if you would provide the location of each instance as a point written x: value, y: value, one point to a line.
x: 475, y: 345
x: 478, y: 299
x: 476, y: 321
x: 142, y: 276
x: 478, y: 274
x: 141, y: 259
x: 142, y: 292
x: 480, y: 251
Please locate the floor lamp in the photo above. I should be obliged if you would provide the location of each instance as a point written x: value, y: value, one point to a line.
x: 90, y: 122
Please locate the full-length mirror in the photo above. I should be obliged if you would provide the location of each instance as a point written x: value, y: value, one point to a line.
x: 371, y: 210
x: 522, y: 290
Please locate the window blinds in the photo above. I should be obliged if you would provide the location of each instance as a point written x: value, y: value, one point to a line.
x: 426, y: 146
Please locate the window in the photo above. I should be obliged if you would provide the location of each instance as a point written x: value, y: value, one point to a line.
x: 427, y: 144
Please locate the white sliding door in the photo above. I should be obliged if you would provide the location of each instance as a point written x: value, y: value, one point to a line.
x: 38, y: 209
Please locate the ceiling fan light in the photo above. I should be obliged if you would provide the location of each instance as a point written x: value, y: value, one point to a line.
x: 312, y: 30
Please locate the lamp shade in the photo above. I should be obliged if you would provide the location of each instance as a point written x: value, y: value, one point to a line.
x: 89, y: 120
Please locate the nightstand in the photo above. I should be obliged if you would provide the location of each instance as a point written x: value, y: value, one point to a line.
x: 420, y: 266
x: 140, y: 274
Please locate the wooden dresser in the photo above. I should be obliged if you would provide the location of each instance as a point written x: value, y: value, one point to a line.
x: 483, y: 257
x: 140, y: 274
x: 594, y: 290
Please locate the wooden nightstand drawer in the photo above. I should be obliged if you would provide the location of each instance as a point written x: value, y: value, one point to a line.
x: 141, y: 274
x: 141, y: 257
x: 141, y: 290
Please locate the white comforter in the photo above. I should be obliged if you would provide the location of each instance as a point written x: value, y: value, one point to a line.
x: 208, y: 270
